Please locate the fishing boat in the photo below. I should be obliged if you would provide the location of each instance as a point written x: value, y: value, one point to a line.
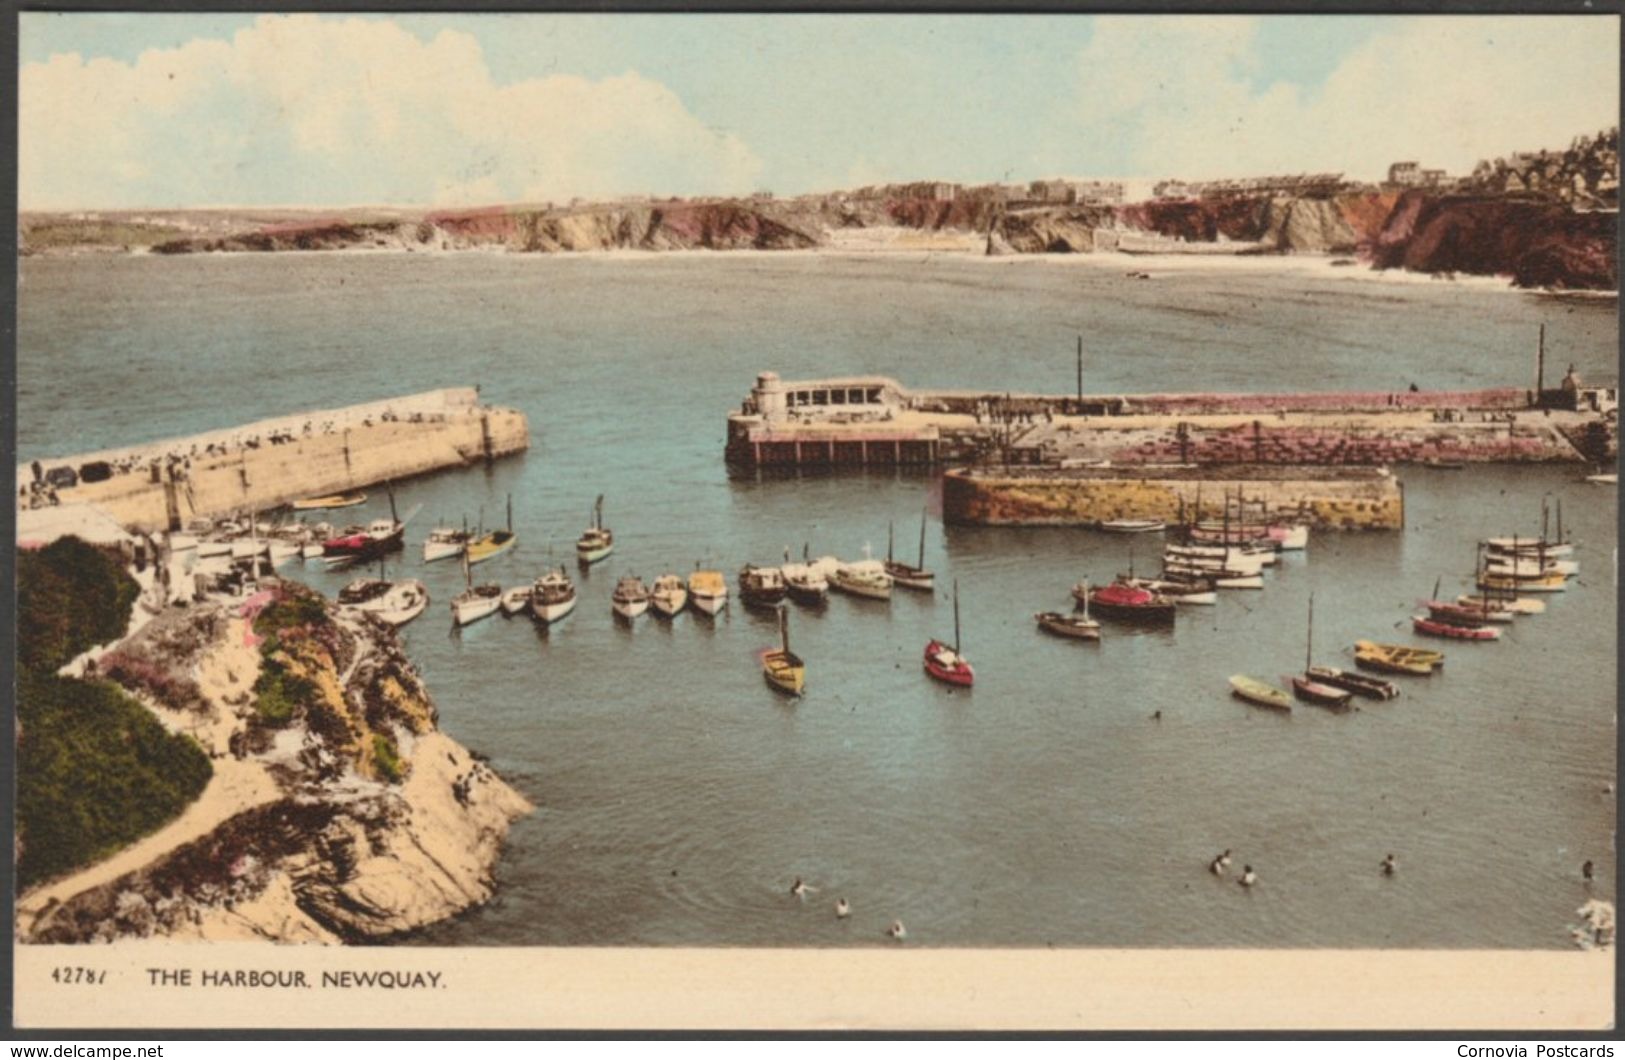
x: 762, y: 586
x: 1529, y: 546
x: 804, y: 581
x: 406, y: 601
x: 1435, y: 628
x: 491, y: 545
x: 1255, y: 691
x: 1079, y: 627
x: 630, y: 598
x: 909, y: 577
x: 516, y: 601
x: 445, y: 542
x: 945, y: 663
x: 1397, y: 658
x: 781, y: 667
x: 1609, y: 479
x: 1305, y: 686
x: 1451, y: 631
x: 552, y: 596
x: 1219, y: 577
x: 332, y: 500
x: 1526, y: 565
x: 362, y: 544
x: 1513, y: 583
x: 668, y: 596
x: 867, y: 578
x: 475, y: 601
x: 364, y: 594
x: 1130, y: 603
x: 708, y: 590
x: 1349, y: 680
x: 1516, y: 605
x: 1239, y: 557
x: 1133, y: 526
x: 1180, y: 591
x: 596, y: 541
x: 1462, y: 615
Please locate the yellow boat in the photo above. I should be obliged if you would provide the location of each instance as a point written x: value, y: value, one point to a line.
x: 783, y: 669
x: 333, y: 500
x: 489, y: 546
x: 1555, y: 582
x: 1397, y: 658
x: 1255, y: 691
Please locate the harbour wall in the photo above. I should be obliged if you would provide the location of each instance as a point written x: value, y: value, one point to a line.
x: 1325, y: 498
x: 160, y: 491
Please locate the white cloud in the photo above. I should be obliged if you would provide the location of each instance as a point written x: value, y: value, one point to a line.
x: 1444, y: 90
x: 300, y: 109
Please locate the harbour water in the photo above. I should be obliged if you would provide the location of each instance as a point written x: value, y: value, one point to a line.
x: 679, y: 797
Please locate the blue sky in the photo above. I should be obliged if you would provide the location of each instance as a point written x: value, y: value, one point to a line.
x: 171, y: 110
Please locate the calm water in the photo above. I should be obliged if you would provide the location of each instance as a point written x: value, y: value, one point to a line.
x: 678, y: 797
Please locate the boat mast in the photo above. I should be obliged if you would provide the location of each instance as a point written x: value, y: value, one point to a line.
x: 956, y: 616
x: 598, y: 513
x: 394, y: 516
x: 890, y: 533
x: 922, y: 538
x: 784, y: 632
x: 1309, y: 645
x: 1560, y: 520
x: 1086, y: 599
x: 510, y: 514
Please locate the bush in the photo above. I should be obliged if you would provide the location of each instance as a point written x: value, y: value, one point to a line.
x: 95, y: 771
x: 278, y: 694
x: 158, y: 680
x: 70, y: 596
x: 387, y: 759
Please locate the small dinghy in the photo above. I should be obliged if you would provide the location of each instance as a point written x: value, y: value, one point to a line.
x: 1255, y: 691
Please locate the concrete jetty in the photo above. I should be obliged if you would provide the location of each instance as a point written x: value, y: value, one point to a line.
x: 163, y: 485
x: 874, y: 420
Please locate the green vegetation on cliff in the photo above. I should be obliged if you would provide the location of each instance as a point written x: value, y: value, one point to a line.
x: 95, y: 769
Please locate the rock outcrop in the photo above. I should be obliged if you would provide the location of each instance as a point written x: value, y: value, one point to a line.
x: 369, y: 821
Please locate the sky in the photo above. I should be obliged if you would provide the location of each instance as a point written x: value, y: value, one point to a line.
x: 122, y: 110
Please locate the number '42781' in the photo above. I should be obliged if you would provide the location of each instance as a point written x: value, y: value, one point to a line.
x: 79, y: 975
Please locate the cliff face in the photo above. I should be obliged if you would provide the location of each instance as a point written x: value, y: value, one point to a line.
x: 1077, y: 230
x: 1537, y: 244
x: 338, y: 811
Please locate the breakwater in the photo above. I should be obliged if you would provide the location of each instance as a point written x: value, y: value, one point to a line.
x: 163, y: 485
x: 1325, y: 498
x: 875, y: 420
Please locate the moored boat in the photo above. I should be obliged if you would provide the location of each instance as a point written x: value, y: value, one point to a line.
x: 805, y: 582
x: 1255, y: 691
x: 476, y: 602
x: 358, y: 544
x: 596, y: 541
x: 1517, y: 605
x: 493, y: 544
x: 1133, y: 526
x: 1181, y: 591
x: 909, y: 577
x: 1349, y: 680
x: 867, y: 579
x: 1397, y: 658
x: 945, y: 663
x: 1305, y: 685
x: 761, y: 586
x: 404, y: 602
x: 1076, y: 626
x: 668, y: 596
x: 332, y: 500
x: 708, y: 591
x: 516, y: 601
x: 781, y: 668
x: 1130, y: 603
x: 445, y: 542
x: 1513, y: 583
x: 1435, y: 628
x: 630, y: 598
x: 552, y: 596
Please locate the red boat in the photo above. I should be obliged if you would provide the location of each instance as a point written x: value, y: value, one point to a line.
x: 384, y: 535
x: 1454, y: 632
x: 1462, y: 615
x: 945, y: 663
x: 1120, y: 600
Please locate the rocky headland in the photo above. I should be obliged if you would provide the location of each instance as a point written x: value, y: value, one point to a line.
x: 335, y: 810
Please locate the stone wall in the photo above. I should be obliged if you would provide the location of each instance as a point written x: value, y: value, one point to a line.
x: 1481, y: 440
x: 268, y: 476
x: 1333, y: 501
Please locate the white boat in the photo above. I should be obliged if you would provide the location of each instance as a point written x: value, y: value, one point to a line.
x: 1234, y: 557
x: 404, y: 602
x: 1526, y: 566
x: 806, y: 582
x: 867, y: 578
x: 1603, y: 480
x: 1517, y: 605
x: 285, y: 548
x: 311, y: 550
x: 1293, y: 537
x: 630, y: 598
x: 445, y: 542
x: 552, y: 596
x: 708, y: 590
x: 1221, y: 577
x: 476, y: 602
x: 1180, y: 592
x: 596, y: 542
x: 516, y: 600
x: 909, y: 576
x: 1133, y: 526
x: 1529, y: 546
x: 668, y: 596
